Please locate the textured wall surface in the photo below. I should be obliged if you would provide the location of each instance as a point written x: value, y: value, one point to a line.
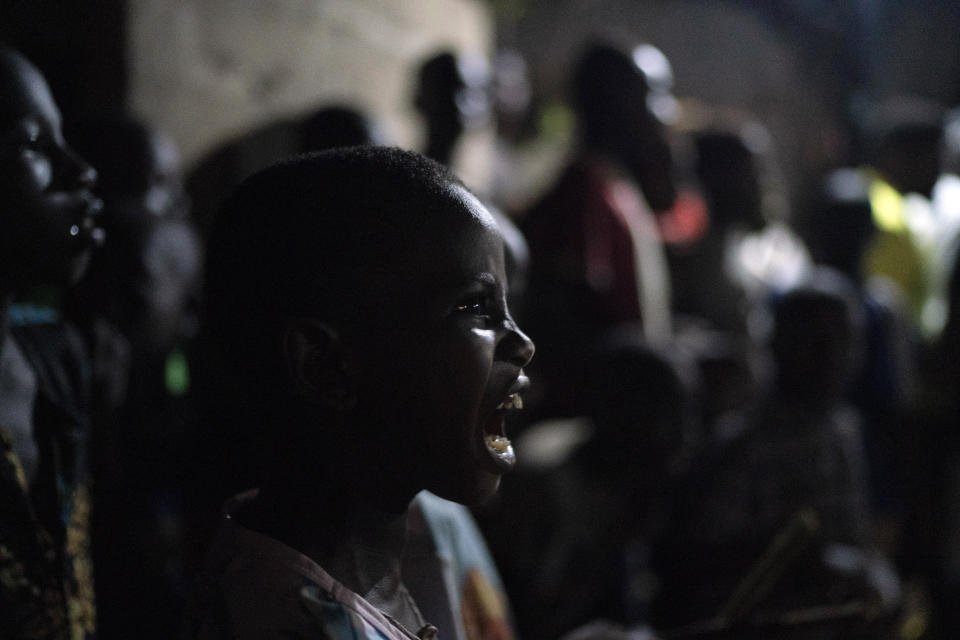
x: 209, y: 70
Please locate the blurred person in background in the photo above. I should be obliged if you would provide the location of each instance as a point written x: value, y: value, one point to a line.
x: 453, y: 97
x: 137, y: 307
x: 799, y: 458
x: 910, y: 239
x: 574, y: 526
x: 704, y: 270
x: 596, y: 254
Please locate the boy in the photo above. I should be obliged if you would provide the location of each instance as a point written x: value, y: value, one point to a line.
x: 49, y: 229
x: 356, y: 300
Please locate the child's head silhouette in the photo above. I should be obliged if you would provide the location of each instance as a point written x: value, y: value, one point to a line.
x: 358, y: 296
x: 817, y: 331
x: 48, y: 210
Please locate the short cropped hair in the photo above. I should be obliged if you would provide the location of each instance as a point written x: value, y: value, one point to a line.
x: 307, y: 237
x: 825, y: 290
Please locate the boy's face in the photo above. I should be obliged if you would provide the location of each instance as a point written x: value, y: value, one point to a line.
x: 46, y: 208
x: 442, y: 368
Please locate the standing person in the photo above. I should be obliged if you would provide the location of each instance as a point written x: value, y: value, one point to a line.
x: 595, y: 250
x: 909, y: 246
x: 452, y: 98
x: 48, y: 212
x: 358, y: 301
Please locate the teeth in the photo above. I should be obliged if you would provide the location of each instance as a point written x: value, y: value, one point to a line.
x: 500, y: 446
x: 513, y: 401
x: 498, y: 443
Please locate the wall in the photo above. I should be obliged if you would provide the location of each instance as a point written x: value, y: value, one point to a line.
x: 209, y: 70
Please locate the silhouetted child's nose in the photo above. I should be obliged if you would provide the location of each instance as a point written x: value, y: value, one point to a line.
x: 75, y: 171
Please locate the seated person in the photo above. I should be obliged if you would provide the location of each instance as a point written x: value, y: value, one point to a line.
x: 356, y: 302
x: 49, y: 220
x: 797, y: 458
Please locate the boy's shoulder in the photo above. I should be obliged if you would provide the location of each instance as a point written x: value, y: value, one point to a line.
x: 252, y: 586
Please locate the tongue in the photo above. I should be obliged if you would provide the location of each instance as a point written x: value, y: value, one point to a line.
x: 495, y: 424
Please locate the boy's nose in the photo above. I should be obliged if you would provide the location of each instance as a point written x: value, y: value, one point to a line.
x: 517, y: 347
x: 75, y: 171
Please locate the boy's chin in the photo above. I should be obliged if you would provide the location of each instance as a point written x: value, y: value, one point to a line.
x: 65, y: 270
x: 77, y: 267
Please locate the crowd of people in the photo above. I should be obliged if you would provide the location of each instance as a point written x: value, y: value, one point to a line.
x: 279, y: 398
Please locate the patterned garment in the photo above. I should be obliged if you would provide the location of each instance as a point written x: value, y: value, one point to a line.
x: 452, y: 581
x: 253, y: 586
x: 46, y: 579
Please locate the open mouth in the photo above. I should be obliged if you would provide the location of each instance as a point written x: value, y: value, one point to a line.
x: 88, y: 230
x: 512, y: 401
x: 495, y: 439
x: 85, y: 228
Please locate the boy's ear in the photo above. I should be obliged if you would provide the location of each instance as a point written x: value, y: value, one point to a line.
x: 318, y: 364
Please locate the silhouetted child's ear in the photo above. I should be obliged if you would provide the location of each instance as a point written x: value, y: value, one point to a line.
x: 318, y: 364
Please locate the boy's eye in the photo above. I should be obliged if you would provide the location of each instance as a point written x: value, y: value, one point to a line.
x: 29, y: 138
x: 475, y: 305
x: 35, y: 144
x: 21, y: 142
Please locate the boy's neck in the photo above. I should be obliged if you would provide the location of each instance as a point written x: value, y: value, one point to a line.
x: 357, y: 543
x: 354, y: 541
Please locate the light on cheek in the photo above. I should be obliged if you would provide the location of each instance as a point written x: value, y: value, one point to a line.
x: 487, y: 335
x: 42, y: 172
